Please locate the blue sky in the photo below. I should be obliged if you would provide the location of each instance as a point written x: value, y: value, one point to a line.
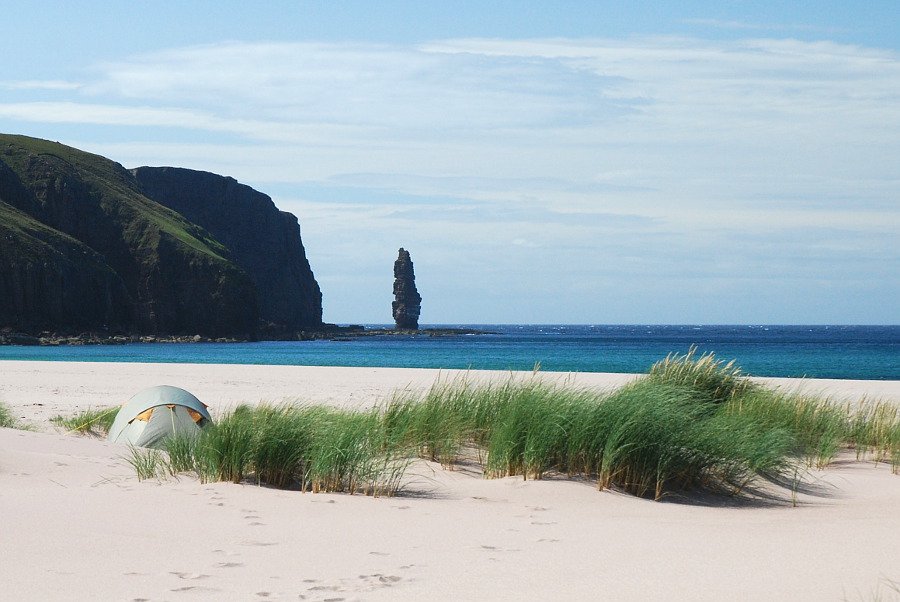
x: 580, y: 162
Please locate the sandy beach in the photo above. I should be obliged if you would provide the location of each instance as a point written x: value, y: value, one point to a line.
x: 77, y: 524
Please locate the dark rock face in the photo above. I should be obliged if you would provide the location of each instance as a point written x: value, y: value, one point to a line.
x: 82, y: 247
x: 262, y: 240
x: 407, y: 303
x: 48, y: 278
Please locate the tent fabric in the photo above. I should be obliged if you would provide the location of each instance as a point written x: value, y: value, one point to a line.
x: 156, y: 413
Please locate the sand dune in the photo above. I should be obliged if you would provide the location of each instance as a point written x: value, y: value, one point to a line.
x: 77, y: 525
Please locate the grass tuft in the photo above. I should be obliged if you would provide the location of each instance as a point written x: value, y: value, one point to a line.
x: 223, y: 449
x: 89, y: 422
x: 716, y: 379
x: 874, y: 431
x: 7, y: 420
x: 312, y: 448
x: 181, y: 452
x: 148, y: 463
x: 818, y: 427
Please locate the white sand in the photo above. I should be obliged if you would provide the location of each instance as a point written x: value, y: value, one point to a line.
x: 76, y: 525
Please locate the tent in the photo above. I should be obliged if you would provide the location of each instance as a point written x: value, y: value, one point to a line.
x: 149, y: 417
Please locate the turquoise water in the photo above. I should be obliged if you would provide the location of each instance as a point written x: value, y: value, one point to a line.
x: 863, y: 352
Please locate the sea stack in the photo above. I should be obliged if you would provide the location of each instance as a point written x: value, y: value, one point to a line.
x: 407, y: 303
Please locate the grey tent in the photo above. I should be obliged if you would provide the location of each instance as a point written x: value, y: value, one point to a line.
x: 156, y: 413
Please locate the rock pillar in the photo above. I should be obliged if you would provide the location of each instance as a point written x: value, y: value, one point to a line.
x: 407, y: 303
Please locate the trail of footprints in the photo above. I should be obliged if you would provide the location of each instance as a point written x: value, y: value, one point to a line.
x: 327, y: 591
x: 315, y: 590
x: 332, y: 592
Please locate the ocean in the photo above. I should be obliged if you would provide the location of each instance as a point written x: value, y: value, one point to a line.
x: 848, y: 352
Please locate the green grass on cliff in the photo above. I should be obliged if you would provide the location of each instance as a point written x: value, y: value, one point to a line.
x: 113, y: 183
x: 25, y: 241
x: 31, y: 234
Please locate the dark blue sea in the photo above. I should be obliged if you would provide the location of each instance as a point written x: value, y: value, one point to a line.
x: 858, y: 352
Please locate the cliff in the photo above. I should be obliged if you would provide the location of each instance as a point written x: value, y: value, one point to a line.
x: 84, y: 247
x: 48, y: 278
x: 262, y: 240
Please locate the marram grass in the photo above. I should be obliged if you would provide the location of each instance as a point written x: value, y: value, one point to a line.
x: 690, y: 423
x: 89, y: 422
x: 819, y: 429
x: 717, y: 380
x: 309, y: 448
x: 7, y: 420
x: 147, y: 463
x: 874, y: 430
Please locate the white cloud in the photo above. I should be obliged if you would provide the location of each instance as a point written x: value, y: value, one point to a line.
x: 585, y: 165
x: 750, y: 26
x: 147, y: 116
x: 386, y: 86
x: 35, y: 84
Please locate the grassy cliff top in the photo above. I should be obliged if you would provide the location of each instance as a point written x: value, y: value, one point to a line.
x: 111, y: 182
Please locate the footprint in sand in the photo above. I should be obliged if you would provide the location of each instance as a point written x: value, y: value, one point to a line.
x: 190, y: 576
x: 195, y: 588
x: 324, y: 588
x: 496, y: 549
x: 229, y: 565
x: 386, y: 579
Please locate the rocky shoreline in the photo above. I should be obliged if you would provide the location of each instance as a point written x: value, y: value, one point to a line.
x: 333, y: 333
x: 55, y: 340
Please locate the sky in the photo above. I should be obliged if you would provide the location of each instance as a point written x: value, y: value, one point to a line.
x: 692, y: 162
